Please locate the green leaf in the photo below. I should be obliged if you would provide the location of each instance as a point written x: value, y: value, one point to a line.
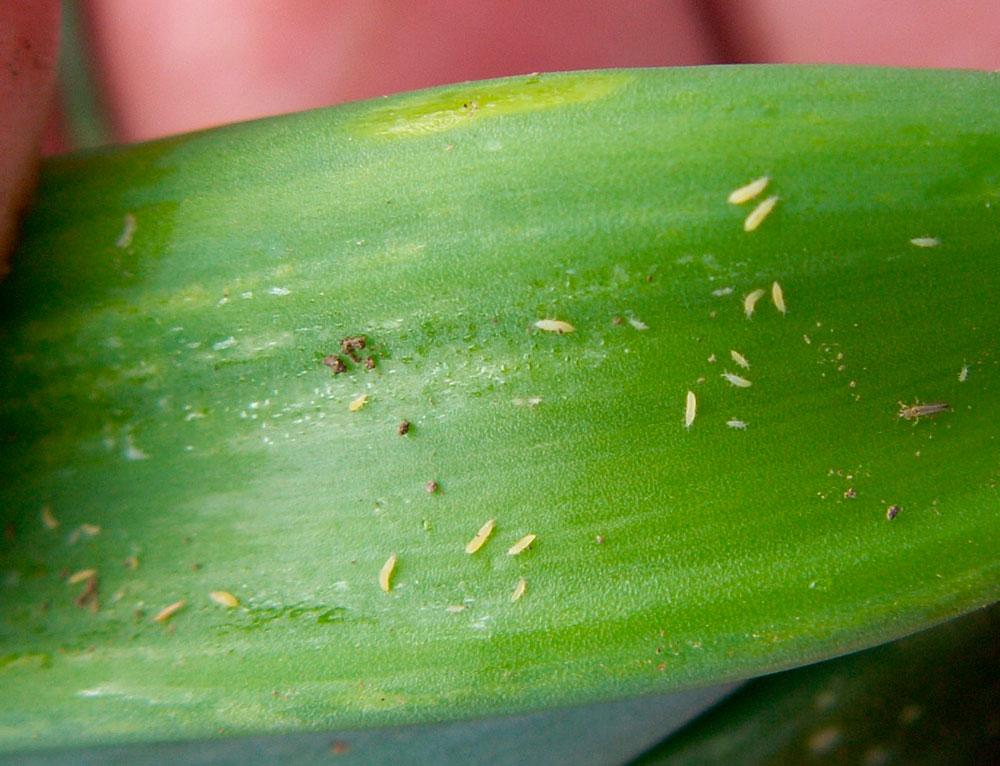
x: 928, y: 699
x: 162, y: 338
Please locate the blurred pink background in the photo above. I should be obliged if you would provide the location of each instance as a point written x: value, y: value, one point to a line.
x: 167, y: 67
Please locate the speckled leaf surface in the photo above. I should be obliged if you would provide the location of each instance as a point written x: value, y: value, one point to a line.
x: 162, y: 339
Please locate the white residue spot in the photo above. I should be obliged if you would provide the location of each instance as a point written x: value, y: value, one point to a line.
x: 739, y: 425
x: 750, y: 301
x: 963, y: 374
x: 128, y: 231
x: 759, y: 213
x: 224, y: 344
x: 722, y: 292
x: 807, y: 339
x: 279, y: 291
x: 690, y: 409
x: 132, y: 452
x: 748, y: 192
x: 736, y: 380
x: 925, y: 241
x: 531, y: 401
x: 638, y: 324
x: 554, y: 325
x: 739, y: 359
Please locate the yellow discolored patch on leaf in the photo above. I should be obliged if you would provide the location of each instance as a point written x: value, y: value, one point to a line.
x: 446, y: 109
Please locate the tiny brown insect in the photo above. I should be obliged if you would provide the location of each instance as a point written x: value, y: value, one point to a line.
x: 917, y: 411
x: 369, y: 363
x: 892, y: 512
x: 432, y: 487
x: 403, y: 428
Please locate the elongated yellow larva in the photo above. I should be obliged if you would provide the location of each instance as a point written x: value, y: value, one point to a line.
x: 50, y: 521
x: 481, y: 537
x: 925, y: 241
x: 759, y: 213
x: 83, y: 574
x: 690, y: 409
x: 522, y: 585
x: 749, y: 191
x: 750, y: 301
x: 169, y: 611
x: 963, y: 374
x: 358, y: 402
x: 778, y: 297
x: 554, y: 325
x: 739, y: 359
x: 386, y: 572
x: 224, y: 598
x: 521, y: 544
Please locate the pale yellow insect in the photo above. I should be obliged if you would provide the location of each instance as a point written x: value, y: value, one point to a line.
x: 521, y: 545
x: 739, y: 425
x: 224, y: 598
x: 519, y: 589
x: 91, y: 530
x: 169, y: 611
x: 739, y: 359
x: 455, y: 608
x: 778, y: 297
x: 759, y: 213
x: 481, y: 537
x: 50, y: 521
x: 750, y: 301
x: 554, y: 325
x: 386, y: 572
x: 925, y: 241
x: 357, y: 403
x: 736, y: 380
x: 690, y: 409
x: 81, y: 576
x: 963, y: 374
x: 749, y: 191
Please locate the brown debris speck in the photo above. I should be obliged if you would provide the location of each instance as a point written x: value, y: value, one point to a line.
x: 352, y: 344
x: 339, y: 747
x: 892, y: 512
x: 88, y: 596
x: 432, y: 487
x: 335, y: 363
x: 403, y: 428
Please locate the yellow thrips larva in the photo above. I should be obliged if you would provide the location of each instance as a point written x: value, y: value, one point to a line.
x: 690, y: 409
x: 963, y: 374
x: 521, y: 544
x: 736, y: 380
x: 925, y: 241
x: 357, y: 403
x: 554, y: 325
x: 169, y: 611
x: 455, y: 608
x: 748, y: 192
x: 759, y: 213
x: 481, y: 537
x: 739, y: 359
x: 778, y: 296
x: 917, y: 411
x: 128, y: 230
x: 385, y: 573
x: 83, y: 574
x: 737, y: 424
x: 50, y: 521
x: 522, y: 585
x: 750, y: 301
x: 224, y: 598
